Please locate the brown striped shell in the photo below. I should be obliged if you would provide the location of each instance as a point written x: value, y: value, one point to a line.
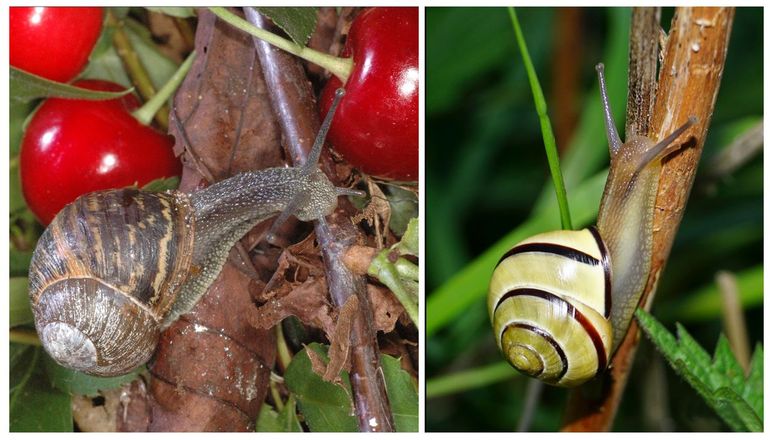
x: 142, y: 243
x: 549, y: 302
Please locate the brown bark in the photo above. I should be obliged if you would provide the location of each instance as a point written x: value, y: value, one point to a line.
x: 689, y: 78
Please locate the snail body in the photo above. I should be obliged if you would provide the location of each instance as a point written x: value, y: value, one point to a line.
x: 561, y: 302
x: 116, y: 267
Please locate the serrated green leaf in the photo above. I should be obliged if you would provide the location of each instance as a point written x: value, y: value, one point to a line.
x: 34, y: 405
x: 20, y: 309
x: 162, y: 184
x: 736, y: 411
x: 662, y: 338
x: 180, y: 12
x: 75, y: 382
x: 298, y: 23
x: 726, y: 363
x: 402, y: 394
x: 26, y: 87
x: 695, y: 357
x: 720, y: 382
x: 754, y: 391
x: 692, y: 377
x: 326, y: 407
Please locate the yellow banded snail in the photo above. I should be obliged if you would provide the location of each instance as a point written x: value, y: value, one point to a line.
x: 560, y: 302
x: 116, y: 267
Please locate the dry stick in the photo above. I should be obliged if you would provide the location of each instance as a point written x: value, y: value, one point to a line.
x: 642, y: 69
x: 689, y: 79
x: 735, y: 321
x: 296, y: 112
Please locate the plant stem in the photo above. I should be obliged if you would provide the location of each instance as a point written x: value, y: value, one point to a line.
x: 134, y: 66
x: 153, y: 106
x: 545, y: 125
x: 339, y: 67
x: 386, y: 272
x: 24, y: 336
x: 284, y: 354
x: 299, y: 123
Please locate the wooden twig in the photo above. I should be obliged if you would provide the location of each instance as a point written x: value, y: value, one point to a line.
x: 688, y: 83
x: 734, y: 319
x: 642, y: 69
x: 297, y: 116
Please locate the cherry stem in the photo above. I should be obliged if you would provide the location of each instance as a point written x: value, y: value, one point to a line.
x: 146, y: 112
x: 339, y: 67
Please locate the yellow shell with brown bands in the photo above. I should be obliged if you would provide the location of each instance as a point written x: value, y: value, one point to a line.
x: 549, y: 302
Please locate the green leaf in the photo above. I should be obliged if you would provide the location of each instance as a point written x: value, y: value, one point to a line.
x: 403, y: 208
x: 19, y: 262
x: 458, y: 382
x: 18, y: 115
x: 726, y: 364
x: 162, y: 184
x: 754, y: 384
x: 298, y: 23
x: 75, y: 382
x: 26, y: 86
x: 20, y: 310
x: 549, y: 139
x: 326, y: 407
x: 270, y: 420
x: 16, y: 202
x: 174, y: 12
x: 410, y: 241
x: 34, y: 405
x: 736, y: 398
x: 402, y: 394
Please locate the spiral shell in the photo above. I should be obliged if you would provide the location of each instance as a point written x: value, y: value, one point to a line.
x: 549, y: 302
x: 142, y: 243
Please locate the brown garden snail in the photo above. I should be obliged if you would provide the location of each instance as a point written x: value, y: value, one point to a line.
x: 115, y: 267
x: 560, y: 302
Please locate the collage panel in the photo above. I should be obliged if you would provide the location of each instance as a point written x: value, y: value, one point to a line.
x: 214, y: 219
x: 667, y: 219
x: 219, y: 218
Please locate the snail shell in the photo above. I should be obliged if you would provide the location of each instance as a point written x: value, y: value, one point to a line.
x: 550, y: 298
x: 80, y: 316
x: 116, y: 267
x: 561, y: 302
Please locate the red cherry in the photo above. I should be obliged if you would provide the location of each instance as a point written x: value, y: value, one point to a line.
x: 54, y: 43
x: 375, y: 127
x: 73, y: 147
